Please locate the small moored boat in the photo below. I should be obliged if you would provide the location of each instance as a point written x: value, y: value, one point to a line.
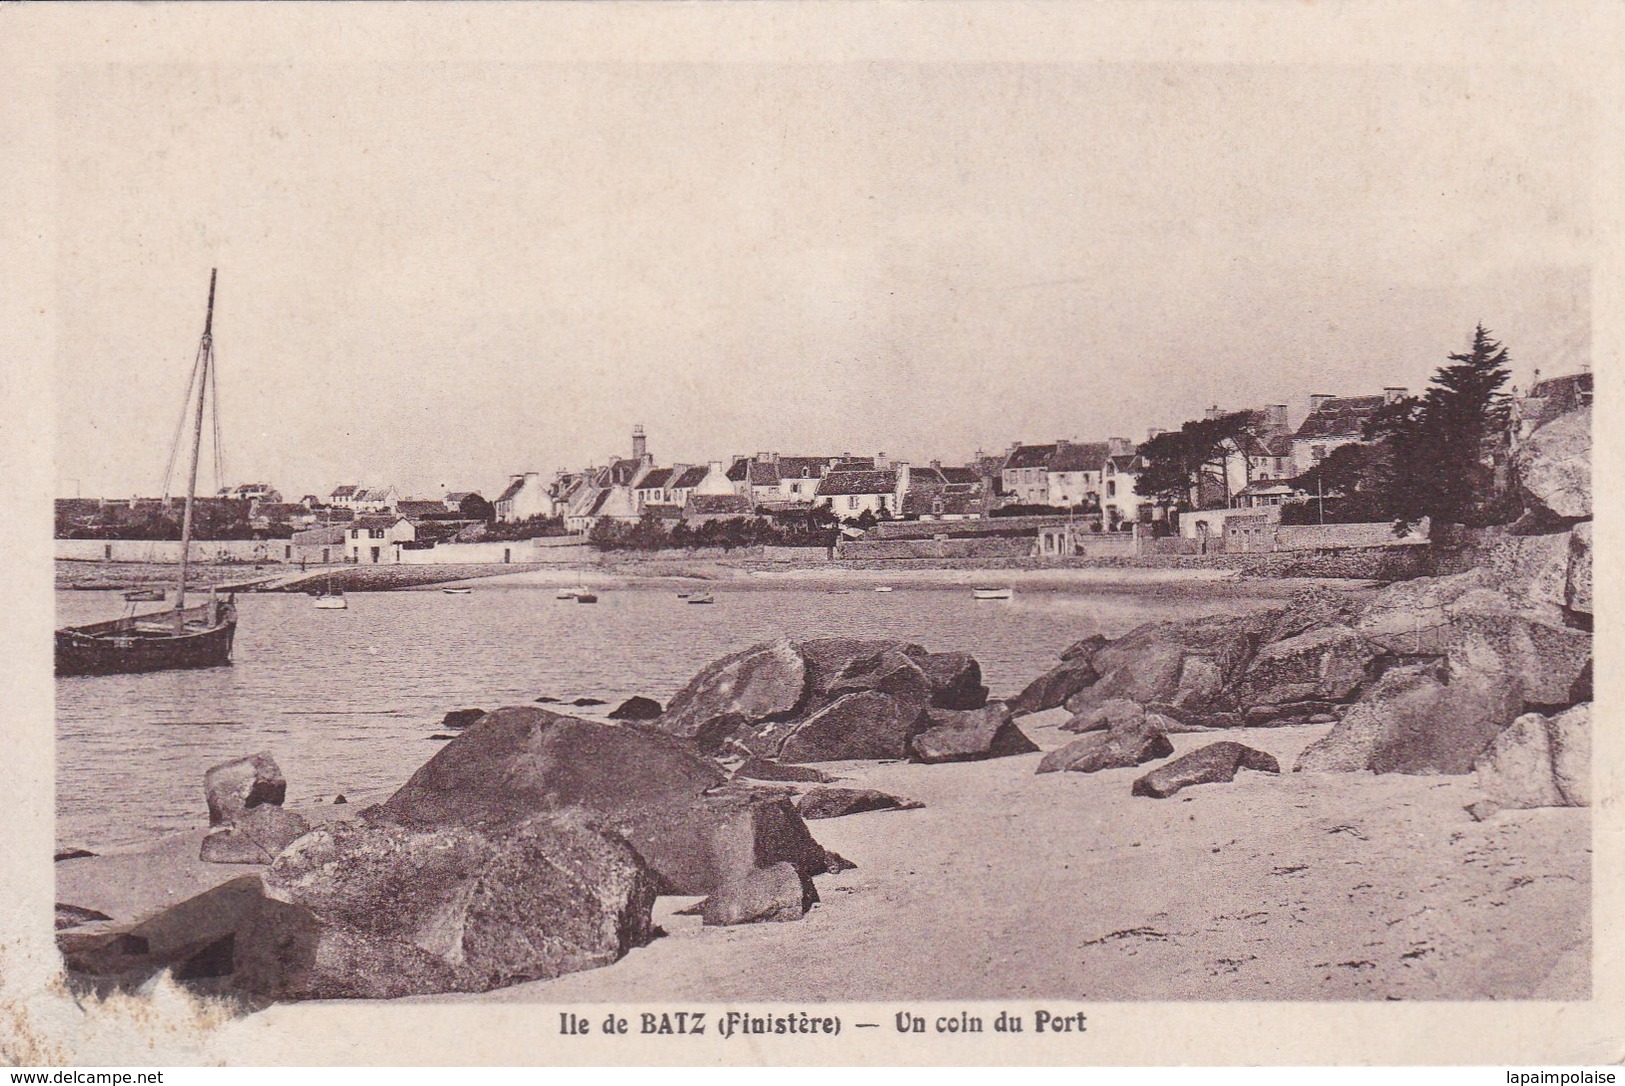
x: 703, y: 597
x: 883, y: 588
x: 457, y: 591
x: 991, y: 593
x: 586, y: 597
x: 329, y: 600
x: 144, y: 595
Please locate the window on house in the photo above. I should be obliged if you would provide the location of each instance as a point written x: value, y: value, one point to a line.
x: 1111, y: 489
x: 852, y: 501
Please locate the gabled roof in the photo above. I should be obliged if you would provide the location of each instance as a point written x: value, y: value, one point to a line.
x: 622, y: 472
x: 803, y: 467
x: 376, y: 494
x: 853, y: 463
x: 763, y: 473
x: 691, y: 477
x: 657, y: 479
x: 961, y: 475
x: 927, y: 503
x: 1125, y: 462
x: 1342, y: 417
x: 1088, y: 456
x: 1029, y: 456
x: 858, y: 482
x: 378, y: 520
x: 598, y: 502
x: 726, y: 505
x: 926, y: 477
x: 346, y: 491
x: 511, y: 489
x: 664, y: 512
x: 412, y: 508
x: 457, y: 497
x: 1267, y: 486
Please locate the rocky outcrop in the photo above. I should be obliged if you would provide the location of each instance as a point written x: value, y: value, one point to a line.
x: 195, y: 939
x: 1416, y: 720
x: 969, y: 735
x: 383, y: 910
x: 253, y: 837
x: 1118, y: 748
x: 636, y: 708
x: 822, y: 700
x: 864, y: 724
x: 650, y: 790
x: 1215, y: 763
x: 1554, y: 467
x: 460, y: 718
x: 1180, y: 667
x: 839, y: 802
x: 1071, y: 676
x: 73, y: 916
x: 771, y: 894
x: 1538, y: 761
x: 233, y: 787
x: 763, y: 683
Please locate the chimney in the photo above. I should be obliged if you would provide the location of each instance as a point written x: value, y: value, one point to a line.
x: 1062, y: 444
x: 1319, y: 400
x: 1393, y: 394
x: 881, y: 462
x: 529, y: 475
x: 936, y: 464
x: 1119, y: 446
x: 1275, y: 417
x: 640, y: 444
x: 1153, y: 432
x: 1213, y: 412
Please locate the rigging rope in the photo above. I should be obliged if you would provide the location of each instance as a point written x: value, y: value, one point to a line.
x: 214, y: 407
x: 180, y: 424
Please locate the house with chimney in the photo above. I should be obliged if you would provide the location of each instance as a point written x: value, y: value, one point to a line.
x: 1025, y: 474
x: 1335, y: 421
x: 1076, y: 472
x: 375, y: 539
x: 1121, y: 502
x: 524, y: 497
x: 851, y: 492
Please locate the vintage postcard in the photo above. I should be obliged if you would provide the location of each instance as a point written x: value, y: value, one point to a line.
x: 831, y: 534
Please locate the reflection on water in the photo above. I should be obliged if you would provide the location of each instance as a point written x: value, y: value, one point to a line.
x: 346, y: 700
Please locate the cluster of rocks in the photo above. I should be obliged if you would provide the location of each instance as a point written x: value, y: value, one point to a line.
x: 836, y: 699
x: 1431, y: 675
x: 249, y: 825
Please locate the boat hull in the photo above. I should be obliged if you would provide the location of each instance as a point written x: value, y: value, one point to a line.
x: 129, y: 646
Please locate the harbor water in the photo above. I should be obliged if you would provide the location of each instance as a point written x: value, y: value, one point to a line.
x: 347, y: 701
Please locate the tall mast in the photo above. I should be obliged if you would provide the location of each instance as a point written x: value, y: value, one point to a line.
x: 205, y: 355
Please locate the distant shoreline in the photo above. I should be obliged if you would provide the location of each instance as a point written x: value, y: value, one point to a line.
x: 679, y: 573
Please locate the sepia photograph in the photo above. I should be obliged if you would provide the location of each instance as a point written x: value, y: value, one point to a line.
x: 869, y: 545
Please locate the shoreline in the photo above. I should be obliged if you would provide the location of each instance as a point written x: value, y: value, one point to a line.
x: 687, y: 573
x: 1328, y: 887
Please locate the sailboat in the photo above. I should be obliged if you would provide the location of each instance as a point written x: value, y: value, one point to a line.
x: 330, y: 600
x: 182, y: 636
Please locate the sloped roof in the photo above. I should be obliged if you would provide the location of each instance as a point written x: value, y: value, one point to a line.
x: 803, y: 467
x: 1342, y: 417
x: 690, y: 478
x: 1029, y: 456
x: 961, y: 475
x: 457, y: 497
x: 511, y: 489
x: 1088, y: 456
x: 622, y: 472
x: 917, y: 503
x: 1125, y: 462
x: 857, y: 482
x: 1267, y: 486
x: 926, y: 477
x: 853, y: 463
x: 378, y: 520
x: 656, y: 479
x: 413, y: 508
x: 664, y: 512
x: 346, y: 491
x: 710, y: 505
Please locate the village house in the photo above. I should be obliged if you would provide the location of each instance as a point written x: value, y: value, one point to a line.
x: 524, y: 497
x: 1335, y: 421
x: 756, y: 478
x: 654, y: 488
x: 1121, y: 500
x: 702, y: 508
x: 1075, y: 473
x: 609, y: 503
x: 1547, y: 399
x: 320, y: 545
x: 1025, y: 473
x: 852, y: 493
x: 374, y: 539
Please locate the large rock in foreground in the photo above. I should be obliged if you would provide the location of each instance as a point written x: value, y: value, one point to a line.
x: 822, y: 700
x: 840, y: 802
x: 970, y: 735
x: 772, y: 894
x: 651, y: 790
x: 1415, y: 721
x: 382, y: 910
x: 1215, y: 763
x: 1554, y: 466
x: 1120, y: 749
x: 233, y: 787
x: 253, y: 837
x: 1540, y: 762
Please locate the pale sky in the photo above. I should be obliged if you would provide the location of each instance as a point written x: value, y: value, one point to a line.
x: 438, y: 275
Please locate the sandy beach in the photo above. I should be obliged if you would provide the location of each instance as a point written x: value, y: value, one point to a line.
x: 1290, y: 887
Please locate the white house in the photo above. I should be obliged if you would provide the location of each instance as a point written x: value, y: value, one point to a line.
x: 1075, y: 473
x: 1026, y: 473
x: 852, y: 493
x: 524, y: 497
x: 1121, y: 500
x: 372, y: 540
x: 1335, y: 421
